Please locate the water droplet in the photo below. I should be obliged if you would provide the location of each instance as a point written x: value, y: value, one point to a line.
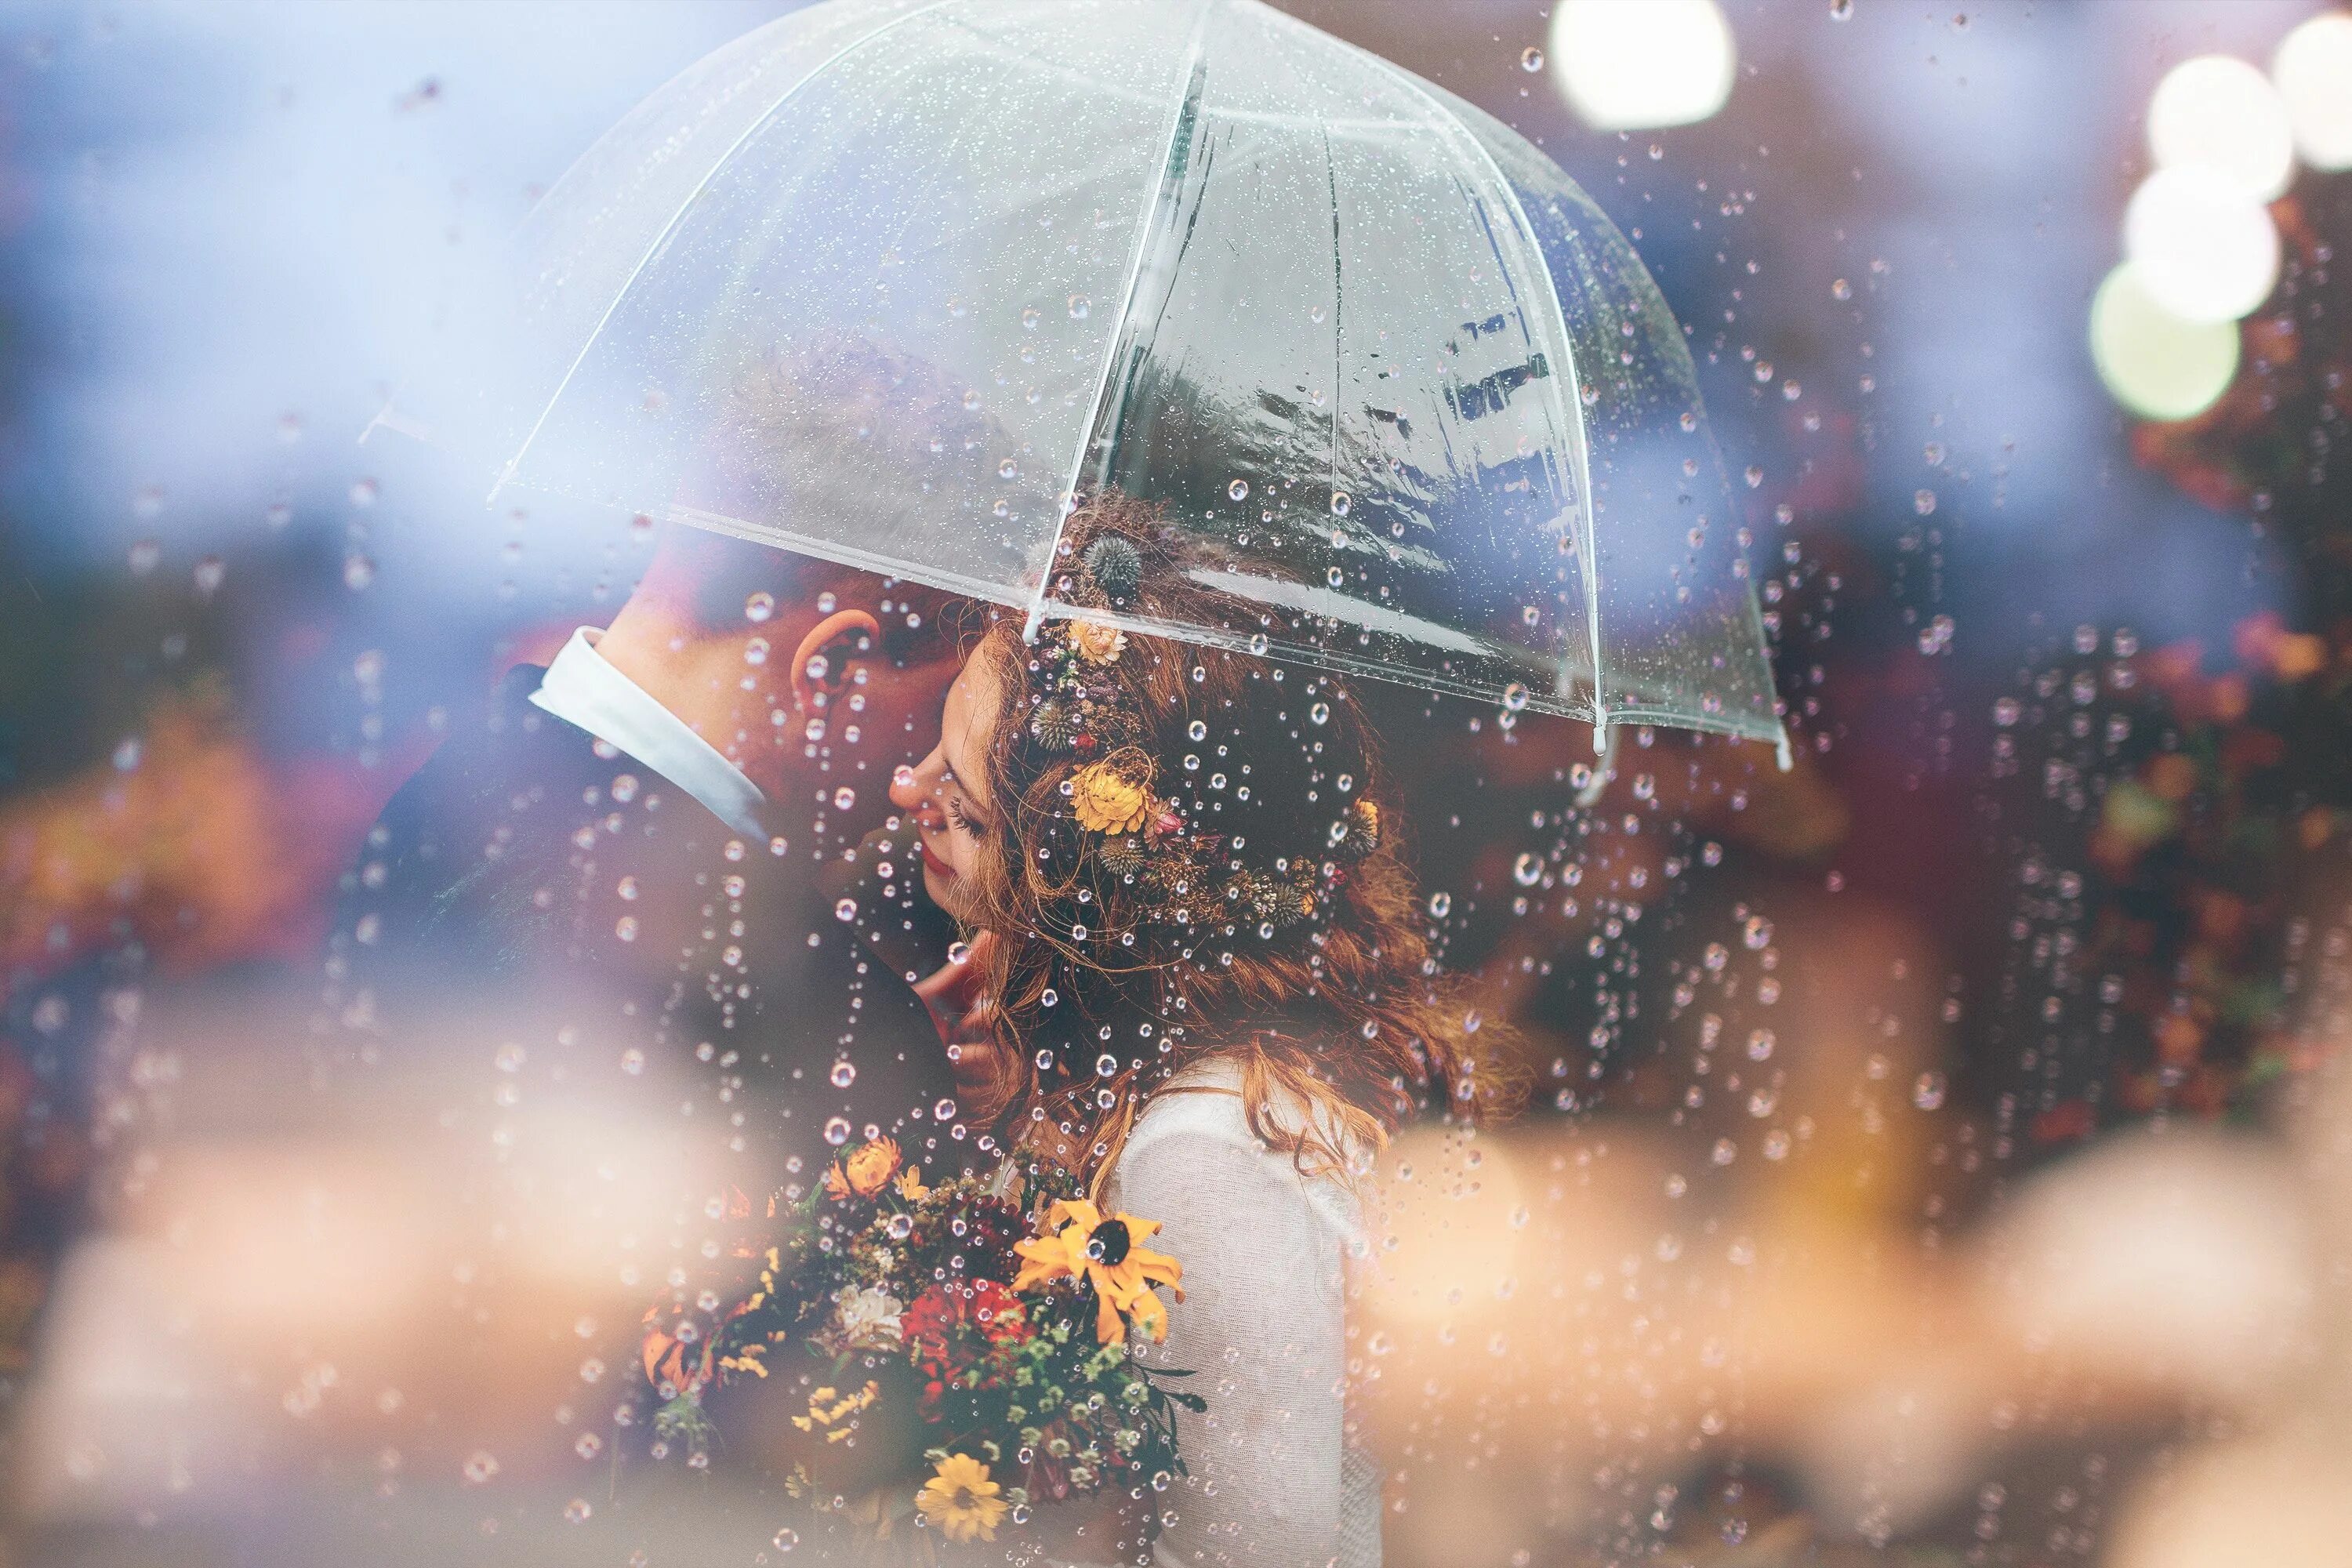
x: 1759, y: 1046
x: 626, y: 928
x: 1923, y: 501
x: 1531, y: 59
x: 1440, y: 905
x: 844, y: 798
x: 1758, y: 933
x: 1238, y: 489
x: 843, y: 1073
x: 358, y: 573
x: 758, y: 606
x: 1755, y: 476
x: 1320, y: 713
x: 2006, y: 712
x: 959, y: 953
x: 210, y: 572
x: 1528, y: 870
x: 1515, y: 696
x: 1928, y: 1093
x: 846, y: 910
x: 589, y: 1446
x: 785, y: 1539
x: 1031, y: 316
x: 1840, y: 10
x: 577, y: 1511
x: 1010, y: 468
x: 1342, y: 503
x: 1080, y: 307
x: 480, y: 1466
x: 836, y: 1131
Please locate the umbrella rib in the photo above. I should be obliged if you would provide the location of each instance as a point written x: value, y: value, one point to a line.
x: 1339, y: 302
x: 1568, y: 414
x: 1186, y: 112
x: 678, y: 217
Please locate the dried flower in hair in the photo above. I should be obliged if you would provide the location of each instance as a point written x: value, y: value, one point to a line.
x: 1124, y: 854
x: 1096, y: 643
x: 1054, y: 725
x: 1115, y: 565
x: 1106, y: 801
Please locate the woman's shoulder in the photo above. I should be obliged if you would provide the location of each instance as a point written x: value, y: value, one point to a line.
x: 1199, y: 1120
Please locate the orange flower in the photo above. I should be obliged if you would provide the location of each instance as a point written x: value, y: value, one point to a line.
x: 867, y: 1170
x: 1080, y: 1244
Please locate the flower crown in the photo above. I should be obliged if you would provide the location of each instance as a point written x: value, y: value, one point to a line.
x: 1078, y: 711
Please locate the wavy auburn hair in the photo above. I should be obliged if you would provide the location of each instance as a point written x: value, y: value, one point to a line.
x: 1096, y: 997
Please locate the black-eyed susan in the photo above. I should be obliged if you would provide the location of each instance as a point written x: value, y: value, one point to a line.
x: 960, y: 1500
x: 1080, y: 1243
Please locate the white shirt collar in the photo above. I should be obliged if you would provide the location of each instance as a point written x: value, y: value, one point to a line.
x: 582, y: 689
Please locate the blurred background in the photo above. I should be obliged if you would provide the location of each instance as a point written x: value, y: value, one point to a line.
x: 1944, y: 1153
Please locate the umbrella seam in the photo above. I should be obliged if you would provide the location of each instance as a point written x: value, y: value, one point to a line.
x: 1189, y: 96
x: 1572, y: 416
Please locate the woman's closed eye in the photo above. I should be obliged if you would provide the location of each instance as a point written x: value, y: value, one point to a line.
x: 961, y: 818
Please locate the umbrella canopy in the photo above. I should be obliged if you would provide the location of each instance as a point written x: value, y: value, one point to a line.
x: 895, y: 281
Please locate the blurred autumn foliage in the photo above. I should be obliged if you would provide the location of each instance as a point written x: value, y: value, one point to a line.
x: 2220, y: 834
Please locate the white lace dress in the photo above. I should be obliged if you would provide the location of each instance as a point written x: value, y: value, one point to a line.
x: 1274, y: 1480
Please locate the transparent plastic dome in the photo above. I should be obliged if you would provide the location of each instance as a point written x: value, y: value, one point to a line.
x: 891, y: 282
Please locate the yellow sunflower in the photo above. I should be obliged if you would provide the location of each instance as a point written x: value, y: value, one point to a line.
x: 1079, y: 1243
x: 961, y: 1501
x: 1108, y: 801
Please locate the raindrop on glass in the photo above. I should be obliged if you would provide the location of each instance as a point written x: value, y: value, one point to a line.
x: 1320, y: 713
x: 1528, y: 870
x: 1080, y: 307
x: 1238, y: 489
x: 836, y: 1131
x: 1440, y: 905
x: 1531, y: 59
x: 846, y: 910
x: 758, y: 606
x: 1342, y: 503
x: 843, y: 1073
x: 1515, y: 696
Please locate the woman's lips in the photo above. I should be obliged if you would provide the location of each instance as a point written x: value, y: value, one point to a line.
x: 937, y: 867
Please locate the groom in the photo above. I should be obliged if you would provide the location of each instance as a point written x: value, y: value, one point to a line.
x: 631, y: 855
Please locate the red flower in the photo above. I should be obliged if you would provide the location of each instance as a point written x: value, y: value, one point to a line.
x: 930, y: 1324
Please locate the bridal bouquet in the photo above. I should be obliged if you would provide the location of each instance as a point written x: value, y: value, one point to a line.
x: 963, y: 1352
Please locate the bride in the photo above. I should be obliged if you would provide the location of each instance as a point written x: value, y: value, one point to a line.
x: 1195, y: 974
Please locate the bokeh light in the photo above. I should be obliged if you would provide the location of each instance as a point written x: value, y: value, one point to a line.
x: 2313, y: 69
x: 1634, y: 68
x: 2154, y: 362
x: 2207, y: 250
x: 2221, y: 111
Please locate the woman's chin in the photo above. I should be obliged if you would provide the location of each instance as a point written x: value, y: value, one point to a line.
x: 941, y: 890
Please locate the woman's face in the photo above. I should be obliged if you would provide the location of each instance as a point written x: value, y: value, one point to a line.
x: 945, y: 795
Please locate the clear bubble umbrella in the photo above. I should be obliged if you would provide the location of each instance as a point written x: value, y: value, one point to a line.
x: 893, y: 281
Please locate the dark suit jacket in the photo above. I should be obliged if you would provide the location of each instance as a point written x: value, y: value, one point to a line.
x: 534, y: 871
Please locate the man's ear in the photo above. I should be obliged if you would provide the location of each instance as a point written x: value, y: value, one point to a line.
x: 835, y: 639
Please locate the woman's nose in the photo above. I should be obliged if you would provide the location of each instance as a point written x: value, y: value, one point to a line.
x: 910, y: 788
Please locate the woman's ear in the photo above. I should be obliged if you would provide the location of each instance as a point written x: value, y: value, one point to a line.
x: 834, y: 638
